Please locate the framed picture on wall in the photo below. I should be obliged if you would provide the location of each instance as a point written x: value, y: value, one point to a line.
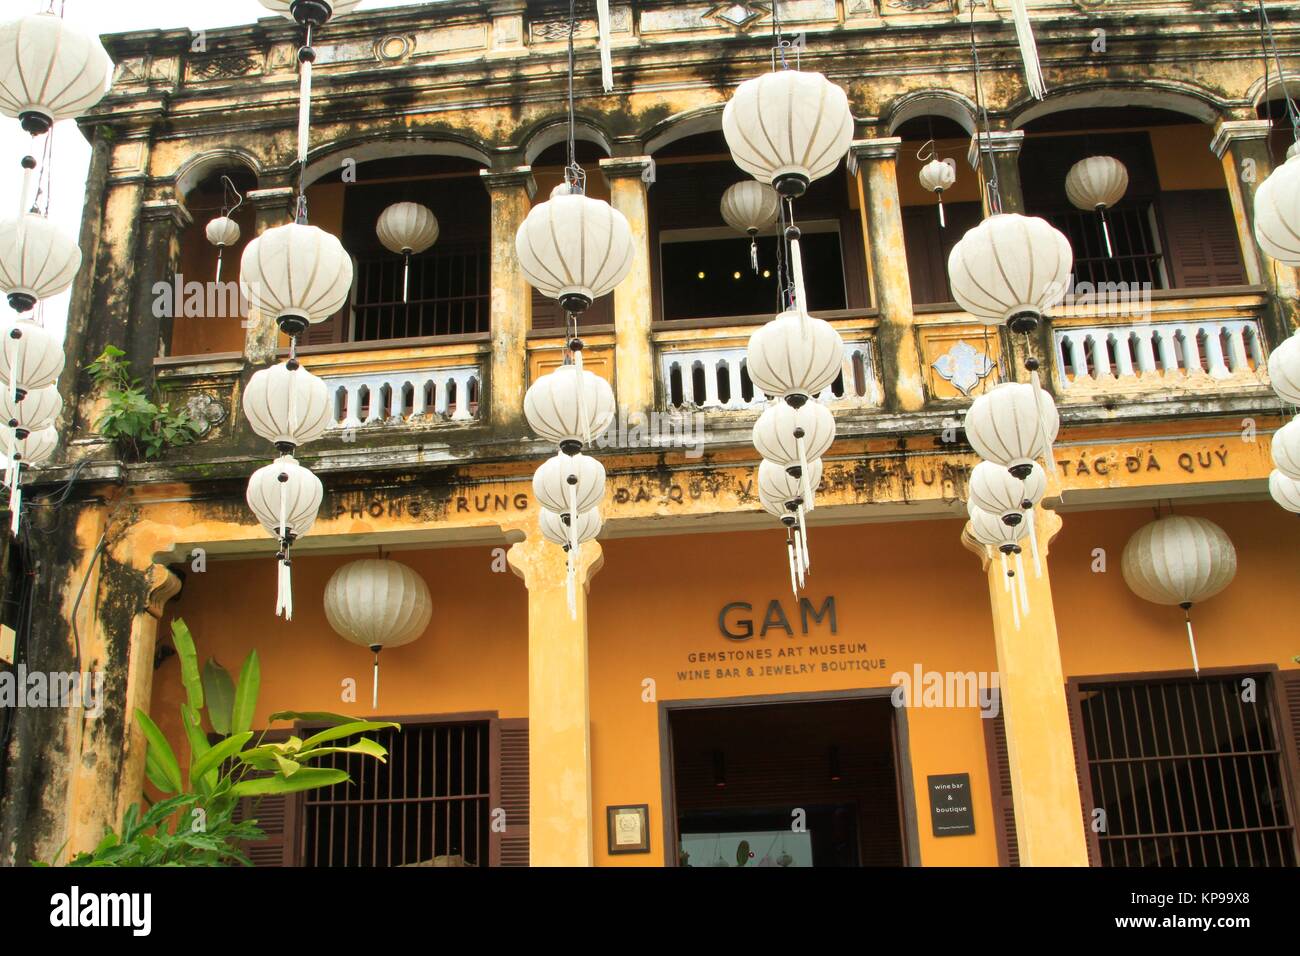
x: 629, y: 828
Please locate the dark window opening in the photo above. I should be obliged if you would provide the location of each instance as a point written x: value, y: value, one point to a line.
x: 448, y: 294
x: 712, y: 278
x: 928, y: 245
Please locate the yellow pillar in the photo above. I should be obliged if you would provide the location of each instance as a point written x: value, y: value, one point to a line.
x: 875, y: 163
x: 1040, y: 750
x: 634, y: 372
x: 511, y: 193
x: 561, y: 822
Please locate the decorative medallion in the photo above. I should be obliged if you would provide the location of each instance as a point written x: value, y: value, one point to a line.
x: 206, y: 411
x: 741, y: 14
x: 392, y: 48
x: 963, y: 366
x: 223, y: 67
x: 912, y: 5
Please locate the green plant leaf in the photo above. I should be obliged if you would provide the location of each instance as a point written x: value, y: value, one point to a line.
x: 219, y: 690
x: 220, y: 753
x: 246, y: 691
x: 364, y: 746
x: 313, y: 717
x: 198, y: 747
x: 287, y: 767
x: 347, y: 730
x: 184, y: 642
x: 308, y: 778
x: 160, y: 754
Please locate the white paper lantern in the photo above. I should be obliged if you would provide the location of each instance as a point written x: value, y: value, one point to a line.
x: 555, y: 526
x: 315, y: 12
x: 285, y: 496
x: 995, y: 490
x: 31, y: 449
x: 1010, y: 268
x: 1179, y: 560
x: 49, y: 70
x: 574, y: 249
x: 1277, y: 213
x: 1286, y: 449
x: 750, y: 207
x: 569, y: 484
x: 36, y: 410
x: 936, y: 176
x: 38, y: 260
x: 376, y: 602
x: 794, y: 436
x: 296, y: 274
x: 287, y: 405
x: 788, y: 128
x: 1285, y: 491
x: 1284, y: 369
x: 1012, y: 424
x: 775, y: 482
x: 407, y: 228
x: 989, y: 529
x: 30, y: 357
x: 569, y: 405
x: 1096, y: 182
x: 222, y: 232
x: 794, y: 354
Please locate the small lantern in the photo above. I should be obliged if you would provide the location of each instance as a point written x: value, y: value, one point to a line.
x: 1012, y: 424
x: 38, y: 260
x: 408, y: 229
x: 1096, y: 184
x: 49, y: 70
x: 287, y: 405
x: 286, y: 498
x: 750, y: 207
x: 936, y: 176
x: 222, y: 232
x: 574, y: 249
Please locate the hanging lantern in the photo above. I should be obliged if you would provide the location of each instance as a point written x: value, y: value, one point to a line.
x: 995, y: 490
x: 49, y: 70
x: 1286, y: 449
x: 377, y: 603
x: 785, y: 483
x: 795, y: 354
x: 1179, y: 560
x: 1284, y: 370
x: 1285, y: 491
x: 789, y: 514
x: 569, y: 484
x: 30, y: 357
x: 31, y: 411
x: 794, y: 437
x: 297, y: 274
x: 571, y: 534
x: 314, y: 12
x: 569, y: 406
x: 287, y: 405
x: 574, y: 249
x: 407, y: 229
x: 995, y: 534
x: 1011, y: 269
x: 1277, y: 213
x: 38, y: 260
x: 1012, y: 424
x: 788, y: 128
x: 222, y: 232
x: 1094, y: 185
x: 286, y: 497
x: 936, y: 176
x: 23, y: 447
x: 751, y: 207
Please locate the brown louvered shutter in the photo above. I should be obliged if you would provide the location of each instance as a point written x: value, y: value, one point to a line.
x: 275, y: 816
x: 1201, y: 246
x: 329, y: 332
x: 1288, y: 702
x: 928, y: 245
x: 510, y: 786
x: 1074, y: 703
x: 547, y: 314
x: 1004, y: 811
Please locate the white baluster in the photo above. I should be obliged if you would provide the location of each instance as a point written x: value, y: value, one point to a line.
x: 1256, y: 347
x: 441, y: 398
x: 1214, y: 352
x: 1146, y: 358
x: 711, y: 385
x: 1100, y: 357
x: 1078, y: 356
x: 396, y: 396
x: 353, y: 419
x: 1123, y: 355
x: 1167, y: 346
x: 418, y: 399
x: 462, y: 398
x: 1238, y: 363
x: 737, y: 399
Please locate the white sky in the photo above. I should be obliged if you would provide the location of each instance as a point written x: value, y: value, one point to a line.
x: 71, y: 152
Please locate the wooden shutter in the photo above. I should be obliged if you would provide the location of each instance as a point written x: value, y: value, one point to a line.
x: 928, y: 245
x: 329, y: 332
x: 547, y: 314
x: 1288, y: 703
x: 1201, y: 245
x: 1074, y: 703
x: 275, y: 816
x: 1004, y: 812
x: 510, y: 790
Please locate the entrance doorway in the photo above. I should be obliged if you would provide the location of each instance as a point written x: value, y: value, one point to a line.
x: 786, y: 783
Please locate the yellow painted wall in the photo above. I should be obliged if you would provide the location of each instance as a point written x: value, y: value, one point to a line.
x: 909, y: 590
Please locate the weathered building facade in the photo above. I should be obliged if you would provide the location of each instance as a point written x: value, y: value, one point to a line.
x: 632, y: 702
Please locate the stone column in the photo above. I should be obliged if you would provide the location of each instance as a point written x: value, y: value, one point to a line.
x: 1003, y: 148
x: 511, y: 192
x: 1040, y: 748
x: 1242, y: 147
x: 634, y: 358
x: 272, y: 207
x: 561, y: 820
x: 875, y: 163
x: 161, y: 223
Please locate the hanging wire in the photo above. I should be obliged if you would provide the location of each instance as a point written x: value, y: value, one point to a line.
x: 983, y: 130
x: 1268, y: 44
x: 226, y: 209
x: 574, y: 175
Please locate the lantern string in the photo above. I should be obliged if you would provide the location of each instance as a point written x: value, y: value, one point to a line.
x: 1269, y: 44
x: 983, y: 131
x: 573, y: 173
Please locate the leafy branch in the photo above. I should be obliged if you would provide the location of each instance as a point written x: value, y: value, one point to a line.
x: 140, y: 426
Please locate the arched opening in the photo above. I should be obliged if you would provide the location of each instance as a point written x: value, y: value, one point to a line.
x: 207, y: 315
x: 929, y: 239
x: 448, y: 287
x: 1173, y: 228
x: 701, y: 267
x: 1286, y: 125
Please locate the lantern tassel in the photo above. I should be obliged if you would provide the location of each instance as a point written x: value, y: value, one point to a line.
x: 220, y: 250
x: 1020, y: 581
x: 800, y: 300
x: 1105, y: 231
x: 789, y: 552
x: 1191, y: 637
x: 582, y: 398
x: 304, y: 109
x: 942, y: 223
x: 1033, y: 543
x: 24, y: 192
x: 406, y: 279
x: 284, y: 590
x: 15, y: 494
x: 570, y: 583
x: 753, y: 253
x: 1008, y: 574
x: 1028, y: 49
x: 803, y: 533
x: 16, y: 364
x: 606, y: 56
x: 1036, y: 382
x: 798, y: 558
x: 374, y: 681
